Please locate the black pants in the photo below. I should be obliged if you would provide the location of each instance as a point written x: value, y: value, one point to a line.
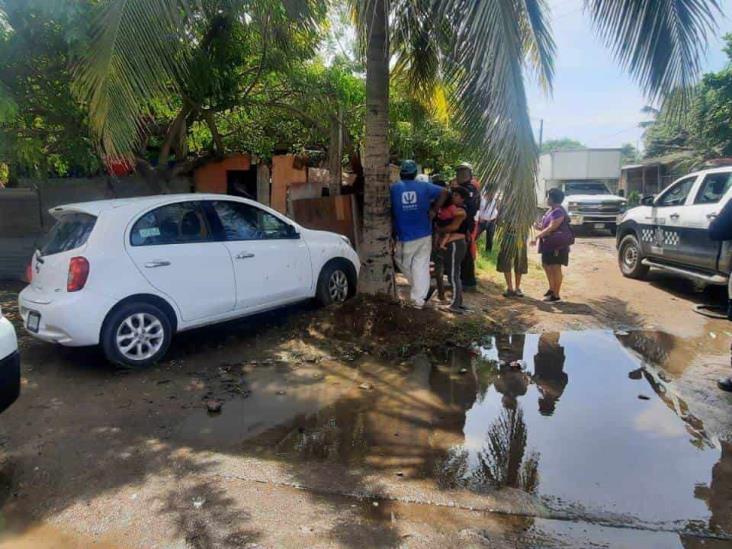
x: 490, y: 230
x: 467, y: 269
x: 453, y: 258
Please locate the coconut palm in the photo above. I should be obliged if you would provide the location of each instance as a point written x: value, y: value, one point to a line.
x: 477, y: 51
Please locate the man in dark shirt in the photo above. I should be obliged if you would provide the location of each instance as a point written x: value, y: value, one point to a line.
x: 464, y: 178
x: 720, y: 229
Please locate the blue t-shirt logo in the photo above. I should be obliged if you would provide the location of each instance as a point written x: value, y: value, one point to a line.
x: 409, y: 199
x: 410, y: 205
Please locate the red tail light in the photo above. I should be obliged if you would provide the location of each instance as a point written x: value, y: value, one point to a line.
x: 78, y: 273
x: 29, y: 273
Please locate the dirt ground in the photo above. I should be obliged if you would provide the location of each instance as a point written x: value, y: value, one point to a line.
x: 93, y: 455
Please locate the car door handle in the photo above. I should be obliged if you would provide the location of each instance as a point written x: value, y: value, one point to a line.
x: 711, y: 216
x: 674, y: 216
x: 153, y: 264
x: 244, y: 255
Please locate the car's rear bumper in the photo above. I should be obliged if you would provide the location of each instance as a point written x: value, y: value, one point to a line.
x: 9, y: 380
x: 74, y: 320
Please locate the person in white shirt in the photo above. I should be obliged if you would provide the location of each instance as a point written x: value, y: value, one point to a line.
x: 487, y: 216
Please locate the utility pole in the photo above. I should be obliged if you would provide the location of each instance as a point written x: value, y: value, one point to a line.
x: 541, y: 133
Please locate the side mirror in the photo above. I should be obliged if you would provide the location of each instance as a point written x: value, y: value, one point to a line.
x: 648, y: 200
x: 292, y: 232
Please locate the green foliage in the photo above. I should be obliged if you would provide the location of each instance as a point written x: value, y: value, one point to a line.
x: 561, y: 144
x: 704, y: 129
x: 629, y: 154
x: 203, y: 57
x: 634, y: 199
x: 417, y: 132
x: 43, y: 129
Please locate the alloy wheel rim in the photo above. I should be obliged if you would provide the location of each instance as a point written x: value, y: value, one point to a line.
x: 630, y: 256
x: 338, y: 286
x: 140, y: 336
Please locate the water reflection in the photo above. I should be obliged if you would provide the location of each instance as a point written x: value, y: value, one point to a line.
x: 654, y: 350
x: 549, y: 374
x: 501, y: 461
x: 552, y: 414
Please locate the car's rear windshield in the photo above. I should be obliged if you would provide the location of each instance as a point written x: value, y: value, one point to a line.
x: 585, y: 188
x: 70, y: 231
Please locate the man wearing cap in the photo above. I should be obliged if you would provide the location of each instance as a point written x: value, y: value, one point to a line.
x: 464, y: 178
x: 413, y: 204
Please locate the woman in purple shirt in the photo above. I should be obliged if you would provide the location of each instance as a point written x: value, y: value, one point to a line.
x: 555, y: 238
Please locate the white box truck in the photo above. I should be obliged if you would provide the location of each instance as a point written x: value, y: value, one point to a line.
x: 588, y: 178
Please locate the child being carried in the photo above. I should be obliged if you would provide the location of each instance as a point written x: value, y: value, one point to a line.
x: 445, y: 217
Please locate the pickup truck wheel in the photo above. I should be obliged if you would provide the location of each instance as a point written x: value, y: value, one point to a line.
x: 630, y: 258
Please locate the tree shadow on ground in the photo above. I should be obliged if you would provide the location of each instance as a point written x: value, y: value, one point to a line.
x: 84, y: 430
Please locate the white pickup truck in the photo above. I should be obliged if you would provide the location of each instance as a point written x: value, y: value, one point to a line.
x: 591, y: 205
x: 9, y: 364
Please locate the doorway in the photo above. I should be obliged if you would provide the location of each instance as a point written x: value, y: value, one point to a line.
x: 242, y: 183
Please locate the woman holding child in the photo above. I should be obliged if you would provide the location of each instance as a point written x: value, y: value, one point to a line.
x: 452, y: 227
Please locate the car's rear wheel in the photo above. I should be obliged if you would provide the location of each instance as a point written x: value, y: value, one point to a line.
x: 336, y: 283
x: 630, y: 258
x: 136, y: 335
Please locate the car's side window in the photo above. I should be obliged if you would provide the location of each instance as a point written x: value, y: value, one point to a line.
x: 677, y: 193
x: 180, y: 223
x: 241, y: 221
x: 713, y: 188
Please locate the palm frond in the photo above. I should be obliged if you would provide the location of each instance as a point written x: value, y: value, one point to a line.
x: 480, y: 50
x: 488, y: 65
x: 539, y: 44
x: 418, y: 39
x: 659, y: 42
x: 134, y: 53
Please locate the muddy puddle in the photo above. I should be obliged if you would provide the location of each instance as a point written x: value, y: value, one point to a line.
x: 583, y: 419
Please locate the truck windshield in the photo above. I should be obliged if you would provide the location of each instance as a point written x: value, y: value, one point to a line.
x: 585, y: 187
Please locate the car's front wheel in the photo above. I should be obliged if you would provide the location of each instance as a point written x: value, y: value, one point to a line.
x: 630, y: 258
x: 136, y: 335
x: 336, y: 283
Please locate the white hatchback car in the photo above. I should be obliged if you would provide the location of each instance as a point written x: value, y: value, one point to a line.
x: 129, y: 273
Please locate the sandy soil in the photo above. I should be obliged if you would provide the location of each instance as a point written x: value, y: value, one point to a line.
x: 91, y: 454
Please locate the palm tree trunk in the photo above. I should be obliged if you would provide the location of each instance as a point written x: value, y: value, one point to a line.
x: 377, y: 275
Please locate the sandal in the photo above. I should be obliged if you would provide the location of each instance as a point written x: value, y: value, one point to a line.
x: 509, y: 293
x: 518, y: 293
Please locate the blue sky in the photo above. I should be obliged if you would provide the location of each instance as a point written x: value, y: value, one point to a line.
x: 593, y: 100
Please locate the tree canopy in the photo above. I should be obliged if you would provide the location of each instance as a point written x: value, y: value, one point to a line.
x: 43, y: 128
x: 704, y: 130
x: 561, y: 144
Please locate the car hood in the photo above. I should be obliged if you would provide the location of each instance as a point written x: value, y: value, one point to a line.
x: 594, y: 198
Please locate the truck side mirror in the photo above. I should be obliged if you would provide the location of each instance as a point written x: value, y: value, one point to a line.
x: 648, y: 200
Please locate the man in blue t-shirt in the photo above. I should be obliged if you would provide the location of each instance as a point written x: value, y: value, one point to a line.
x: 413, y: 204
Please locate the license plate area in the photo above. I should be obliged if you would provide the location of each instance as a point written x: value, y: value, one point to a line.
x: 599, y: 225
x: 34, y: 321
